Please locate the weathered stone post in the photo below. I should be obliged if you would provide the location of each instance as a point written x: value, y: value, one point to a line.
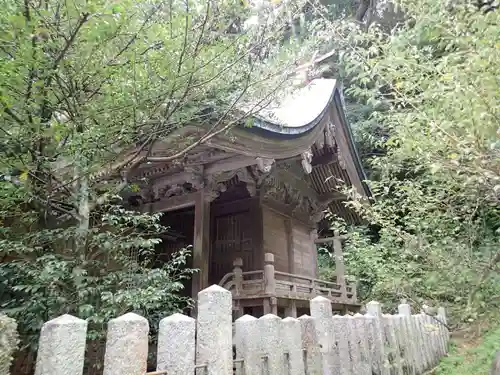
x: 409, y: 339
x: 378, y: 349
x: 431, y: 329
x: 372, y: 348
x: 214, y: 340
x: 443, y: 329
x: 495, y: 365
x: 391, y: 338
x: 442, y: 314
x: 270, y: 305
x: 313, y: 361
x: 321, y: 311
x: 418, y: 340
x: 424, y: 340
x: 293, y: 346
x: 127, y: 345
x: 341, y: 329
x: 354, y: 346
x: 61, y: 348
x: 248, y: 346
x: 273, y: 343
x: 362, y: 329
x: 176, y: 345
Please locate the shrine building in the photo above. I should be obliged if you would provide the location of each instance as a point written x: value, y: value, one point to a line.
x: 249, y: 202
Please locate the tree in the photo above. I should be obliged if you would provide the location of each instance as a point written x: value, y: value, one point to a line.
x: 431, y: 85
x: 82, y: 82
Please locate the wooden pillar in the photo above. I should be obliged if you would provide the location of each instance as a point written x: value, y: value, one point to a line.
x: 201, y: 245
x: 313, y: 235
x: 289, y: 245
x: 258, y: 232
x: 339, y: 264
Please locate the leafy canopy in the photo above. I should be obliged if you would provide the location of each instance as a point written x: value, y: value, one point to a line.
x: 427, y: 94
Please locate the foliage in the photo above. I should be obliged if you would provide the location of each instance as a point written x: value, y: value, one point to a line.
x: 86, y: 90
x: 432, y: 88
x: 47, y: 277
x: 9, y: 341
x: 475, y: 360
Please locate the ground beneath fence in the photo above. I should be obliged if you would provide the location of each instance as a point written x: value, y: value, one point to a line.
x: 471, y: 353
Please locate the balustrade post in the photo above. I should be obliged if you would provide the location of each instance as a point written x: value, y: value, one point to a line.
x: 269, y: 284
x: 354, y: 288
x: 238, y: 286
x: 238, y: 275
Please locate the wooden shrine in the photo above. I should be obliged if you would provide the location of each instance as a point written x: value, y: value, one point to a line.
x: 250, y: 201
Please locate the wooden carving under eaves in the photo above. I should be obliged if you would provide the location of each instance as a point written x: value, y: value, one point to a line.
x: 252, y: 176
x: 296, y: 202
x: 306, y: 161
x: 341, y: 160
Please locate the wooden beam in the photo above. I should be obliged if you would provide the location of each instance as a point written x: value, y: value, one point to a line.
x: 332, y: 196
x: 329, y: 239
x: 173, y: 203
x: 229, y: 164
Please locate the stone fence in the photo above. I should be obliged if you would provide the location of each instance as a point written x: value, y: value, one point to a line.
x: 322, y: 344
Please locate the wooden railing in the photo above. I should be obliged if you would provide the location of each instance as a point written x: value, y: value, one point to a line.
x: 272, y: 283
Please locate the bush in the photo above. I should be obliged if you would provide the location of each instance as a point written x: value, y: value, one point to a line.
x: 9, y: 340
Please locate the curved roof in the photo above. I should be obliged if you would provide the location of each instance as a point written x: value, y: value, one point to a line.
x: 296, y: 123
x: 307, y: 127
x: 300, y: 111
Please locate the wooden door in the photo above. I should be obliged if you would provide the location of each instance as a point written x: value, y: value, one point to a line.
x: 232, y: 238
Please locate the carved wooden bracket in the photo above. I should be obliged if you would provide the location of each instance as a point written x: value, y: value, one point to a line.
x: 264, y: 165
x: 196, y: 172
x: 216, y: 183
x: 341, y: 159
x: 330, y: 134
x: 306, y: 161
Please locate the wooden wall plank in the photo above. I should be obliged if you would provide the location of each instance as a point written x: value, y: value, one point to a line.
x: 275, y: 239
x: 304, y: 250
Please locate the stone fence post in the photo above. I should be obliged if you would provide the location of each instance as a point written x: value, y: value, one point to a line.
x: 312, y: 361
x: 214, y: 336
x: 410, y: 341
x: 127, y: 345
x: 176, y: 345
x: 321, y: 311
x: 61, y: 349
x: 248, y: 346
x: 378, y: 349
